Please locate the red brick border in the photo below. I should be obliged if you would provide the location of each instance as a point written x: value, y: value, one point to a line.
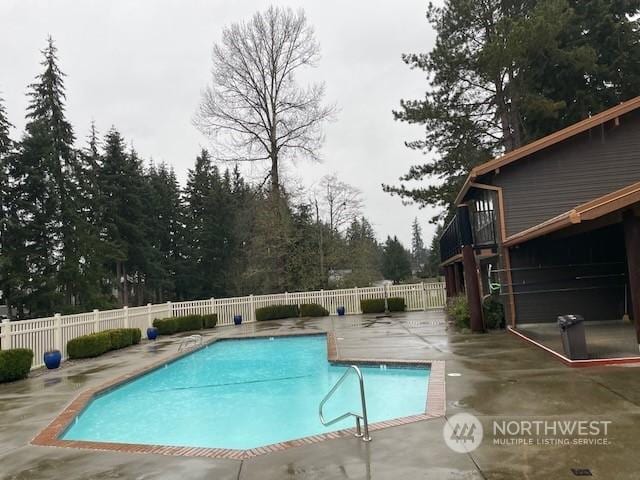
x: 435, y: 407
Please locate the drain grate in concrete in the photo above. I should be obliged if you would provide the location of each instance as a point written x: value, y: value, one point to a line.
x: 581, y: 472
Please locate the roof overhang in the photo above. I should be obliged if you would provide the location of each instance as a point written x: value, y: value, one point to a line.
x: 556, y: 137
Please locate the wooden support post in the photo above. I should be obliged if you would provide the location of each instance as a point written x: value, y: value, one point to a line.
x: 470, y: 269
x: 457, y: 278
x: 632, y: 242
x: 448, y: 281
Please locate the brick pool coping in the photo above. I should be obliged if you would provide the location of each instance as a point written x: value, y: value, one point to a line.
x: 435, y: 407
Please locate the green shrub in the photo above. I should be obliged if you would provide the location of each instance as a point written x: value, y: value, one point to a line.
x: 458, y: 311
x: 313, y: 310
x: 493, y: 312
x: 372, y: 305
x: 88, y: 346
x: 209, y: 321
x: 396, y: 304
x: 276, y: 312
x: 120, y: 338
x: 124, y: 337
x: 136, y: 335
x: 15, y: 364
x: 189, y: 322
x: 167, y: 326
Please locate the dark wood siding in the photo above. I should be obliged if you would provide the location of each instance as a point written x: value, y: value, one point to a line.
x: 584, y: 274
x: 559, y: 178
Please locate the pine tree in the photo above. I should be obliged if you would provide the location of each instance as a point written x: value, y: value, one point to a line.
x: 123, y: 190
x: 418, y: 252
x: 396, y: 263
x: 164, y: 222
x: 502, y: 74
x: 6, y: 147
x: 44, y: 215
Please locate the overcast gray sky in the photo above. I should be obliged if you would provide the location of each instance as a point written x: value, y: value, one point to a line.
x: 141, y: 66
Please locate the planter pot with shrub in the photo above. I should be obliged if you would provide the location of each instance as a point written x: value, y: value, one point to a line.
x: 52, y: 359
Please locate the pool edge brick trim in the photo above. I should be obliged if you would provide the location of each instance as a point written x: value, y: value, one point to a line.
x: 435, y: 407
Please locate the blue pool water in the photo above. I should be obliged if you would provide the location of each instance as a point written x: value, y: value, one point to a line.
x: 244, y: 394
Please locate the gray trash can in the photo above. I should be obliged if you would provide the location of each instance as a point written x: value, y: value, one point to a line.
x: 573, y: 337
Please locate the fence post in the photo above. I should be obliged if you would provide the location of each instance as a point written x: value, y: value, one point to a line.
x: 211, y: 300
x: 356, y: 294
x: 126, y: 316
x: 57, y: 332
x: 424, y: 296
x: 149, y: 319
x: 252, y: 310
x: 169, y: 309
x: 96, y: 320
x: 6, y: 331
x: 286, y: 298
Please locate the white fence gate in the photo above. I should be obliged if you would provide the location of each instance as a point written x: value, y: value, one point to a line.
x: 44, y: 334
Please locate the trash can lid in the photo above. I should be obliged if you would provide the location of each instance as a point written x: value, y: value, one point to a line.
x: 565, y: 321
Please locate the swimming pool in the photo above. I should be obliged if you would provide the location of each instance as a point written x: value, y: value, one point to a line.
x: 242, y: 394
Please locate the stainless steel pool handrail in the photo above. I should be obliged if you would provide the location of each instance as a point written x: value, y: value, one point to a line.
x: 365, y: 437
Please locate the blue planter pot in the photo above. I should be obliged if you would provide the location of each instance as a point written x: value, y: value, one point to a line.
x: 152, y: 333
x: 340, y: 311
x: 52, y: 359
x: 237, y: 319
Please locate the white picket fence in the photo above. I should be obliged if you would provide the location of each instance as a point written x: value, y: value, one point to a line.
x: 44, y: 334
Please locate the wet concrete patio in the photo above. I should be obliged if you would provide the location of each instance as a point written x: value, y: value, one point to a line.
x: 605, y: 339
x: 497, y: 377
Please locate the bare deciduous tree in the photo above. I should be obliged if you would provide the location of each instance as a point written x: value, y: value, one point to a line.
x: 254, y: 109
x: 341, y: 202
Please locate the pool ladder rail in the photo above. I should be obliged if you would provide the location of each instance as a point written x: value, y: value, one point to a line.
x: 359, y: 433
x: 189, y: 342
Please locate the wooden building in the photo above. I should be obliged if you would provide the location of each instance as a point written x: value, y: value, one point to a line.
x: 557, y: 222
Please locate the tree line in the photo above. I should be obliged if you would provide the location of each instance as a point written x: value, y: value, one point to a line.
x: 97, y: 226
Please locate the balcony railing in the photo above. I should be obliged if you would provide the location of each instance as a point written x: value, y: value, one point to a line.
x: 483, y: 230
x: 450, y: 241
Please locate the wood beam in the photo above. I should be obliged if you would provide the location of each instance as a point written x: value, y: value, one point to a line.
x: 632, y: 242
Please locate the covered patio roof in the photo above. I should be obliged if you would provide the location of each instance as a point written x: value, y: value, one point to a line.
x: 592, y: 210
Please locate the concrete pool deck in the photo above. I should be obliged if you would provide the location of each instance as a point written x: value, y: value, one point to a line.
x: 501, y: 377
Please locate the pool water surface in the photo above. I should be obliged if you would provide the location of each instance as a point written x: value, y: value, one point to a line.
x: 242, y: 394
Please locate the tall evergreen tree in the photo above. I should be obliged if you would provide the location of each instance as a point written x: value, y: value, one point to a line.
x: 44, y: 217
x: 504, y: 73
x: 5, y: 150
x: 418, y: 252
x: 122, y: 189
x: 396, y: 263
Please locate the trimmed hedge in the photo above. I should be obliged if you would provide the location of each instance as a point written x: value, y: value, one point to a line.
x: 167, y: 326
x: 88, y: 346
x: 15, y: 364
x: 372, y: 305
x: 95, y: 344
x: 209, y: 321
x: 276, y: 312
x: 313, y: 310
x: 396, y: 304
